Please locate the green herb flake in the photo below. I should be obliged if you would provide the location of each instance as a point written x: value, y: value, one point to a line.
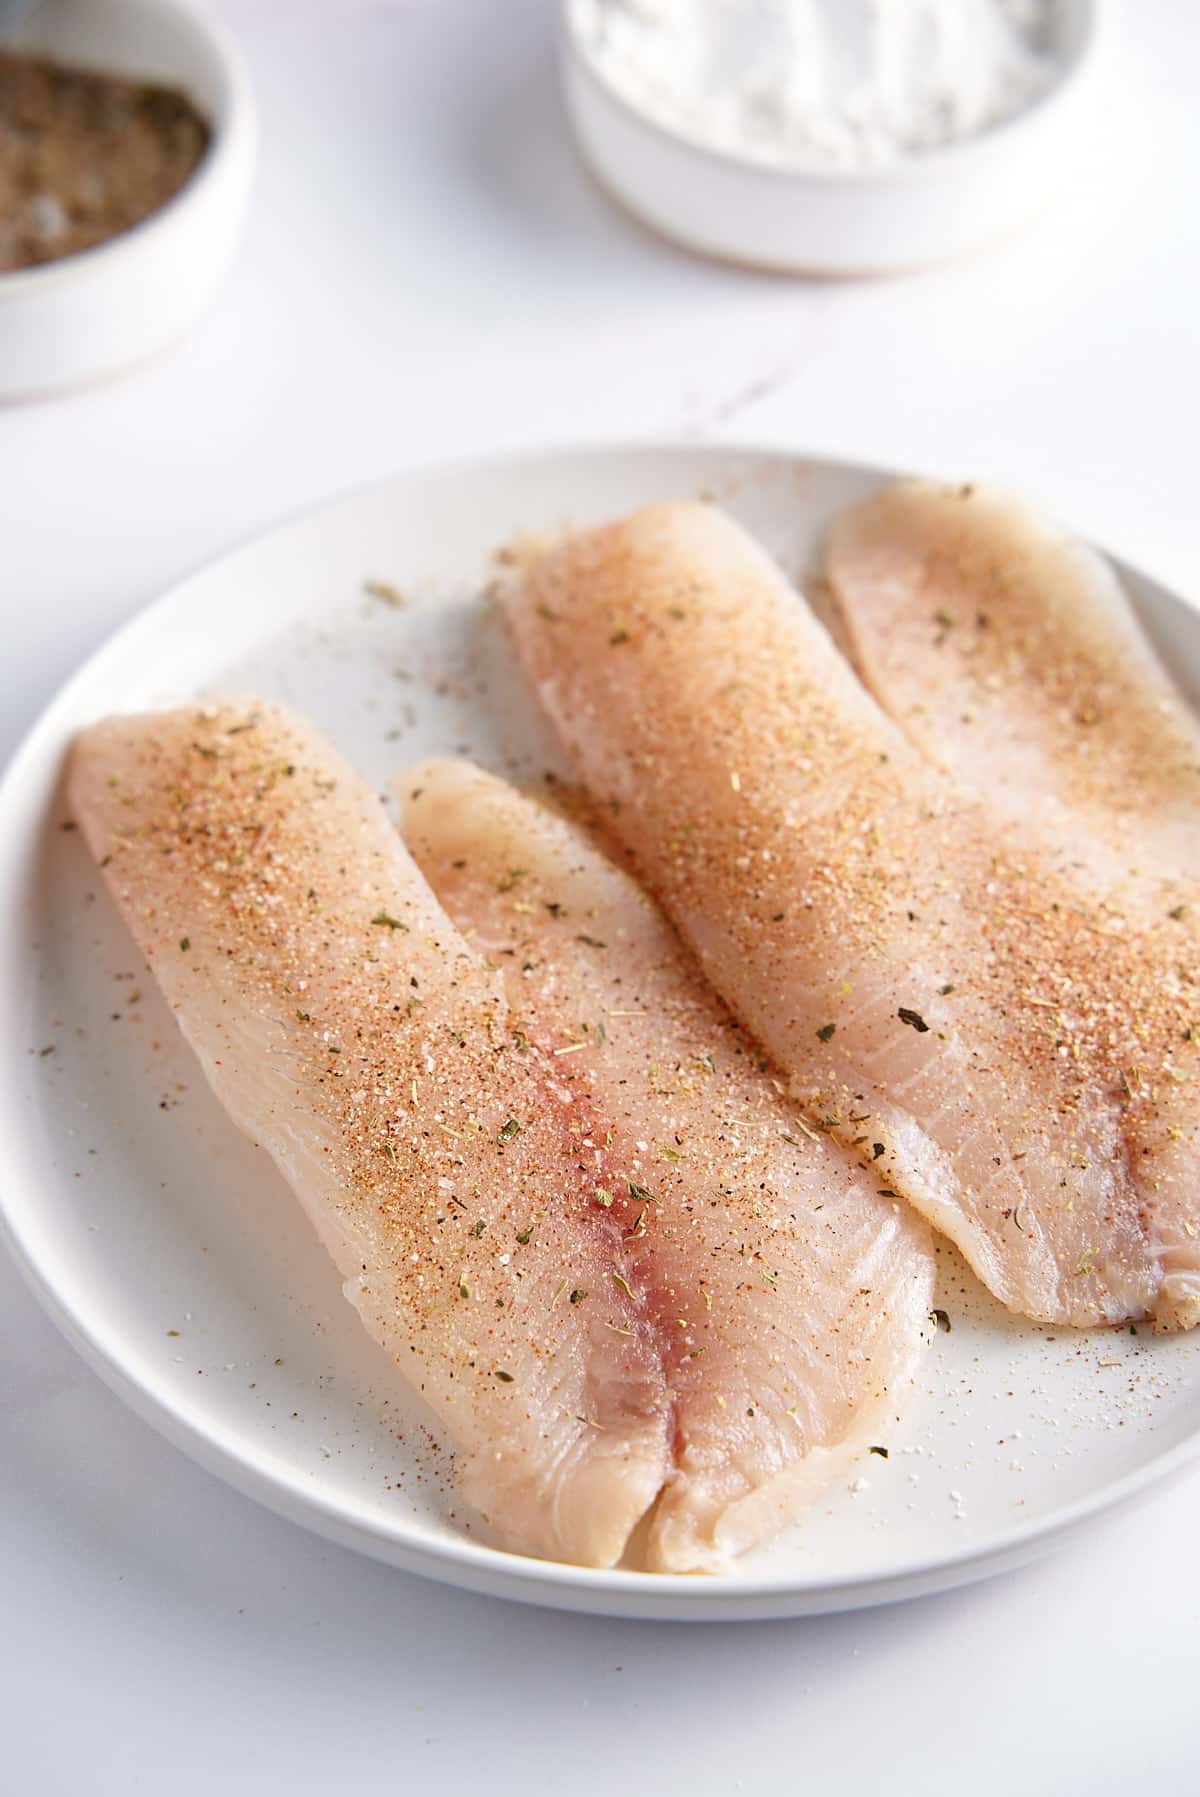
x: 509, y: 1130
x: 603, y: 1197
x: 940, y: 1320
x: 623, y: 1284
x: 478, y: 1228
x: 882, y: 1452
x: 388, y: 922
x: 913, y: 1019
x: 827, y: 1032
x: 504, y: 1378
x: 185, y: 943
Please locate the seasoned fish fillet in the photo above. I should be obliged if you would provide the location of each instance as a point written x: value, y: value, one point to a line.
x: 349, y: 1031
x: 1023, y: 1056
x: 1009, y: 653
x: 789, y: 1296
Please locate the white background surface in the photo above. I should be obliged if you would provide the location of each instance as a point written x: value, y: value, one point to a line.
x: 428, y: 275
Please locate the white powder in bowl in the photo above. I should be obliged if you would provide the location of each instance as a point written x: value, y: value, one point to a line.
x: 824, y: 83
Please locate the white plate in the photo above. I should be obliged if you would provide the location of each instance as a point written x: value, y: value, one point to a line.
x: 137, y: 1211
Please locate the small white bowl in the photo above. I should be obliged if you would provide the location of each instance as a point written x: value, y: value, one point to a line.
x: 89, y: 315
x: 930, y: 208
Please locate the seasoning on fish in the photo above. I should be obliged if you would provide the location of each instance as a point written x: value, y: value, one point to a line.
x: 348, y: 1029
x: 791, y: 1298
x: 1026, y: 1057
x: 1009, y: 654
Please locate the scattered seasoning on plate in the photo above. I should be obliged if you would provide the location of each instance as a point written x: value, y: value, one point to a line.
x: 85, y: 156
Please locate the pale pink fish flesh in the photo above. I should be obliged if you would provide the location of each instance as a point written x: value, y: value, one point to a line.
x: 1009, y: 653
x: 349, y: 1031
x: 1025, y: 1057
x: 790, y: 1296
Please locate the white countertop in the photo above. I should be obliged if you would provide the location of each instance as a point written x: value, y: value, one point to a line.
x: 428, y: 275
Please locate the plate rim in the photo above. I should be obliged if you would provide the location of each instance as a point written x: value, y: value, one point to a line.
x: 467, y: 1564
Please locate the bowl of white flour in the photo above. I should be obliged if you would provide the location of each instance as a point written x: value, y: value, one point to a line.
x: 831, y: 136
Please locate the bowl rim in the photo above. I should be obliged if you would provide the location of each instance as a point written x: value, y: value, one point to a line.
x: 1091, y: 21
x: 233, y: 121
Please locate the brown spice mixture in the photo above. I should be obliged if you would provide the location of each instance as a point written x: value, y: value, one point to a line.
x: 85, y: 156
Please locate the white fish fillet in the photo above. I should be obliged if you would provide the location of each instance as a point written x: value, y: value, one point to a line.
x: 790, y: 1298
x: 347, y: 1029
x: 1008, y: 653
x: 1026, y: 1058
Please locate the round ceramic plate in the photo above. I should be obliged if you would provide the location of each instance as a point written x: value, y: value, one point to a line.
x: 172, y: 1254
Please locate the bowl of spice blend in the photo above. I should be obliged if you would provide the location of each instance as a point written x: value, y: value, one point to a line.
x: 843, y: 137
x: 126, y: 150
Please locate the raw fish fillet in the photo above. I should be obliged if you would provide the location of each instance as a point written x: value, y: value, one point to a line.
x: 1009, y: 653
x: 1026, y: 1058
x: 349, y: 1031
x: 789, y: 1297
